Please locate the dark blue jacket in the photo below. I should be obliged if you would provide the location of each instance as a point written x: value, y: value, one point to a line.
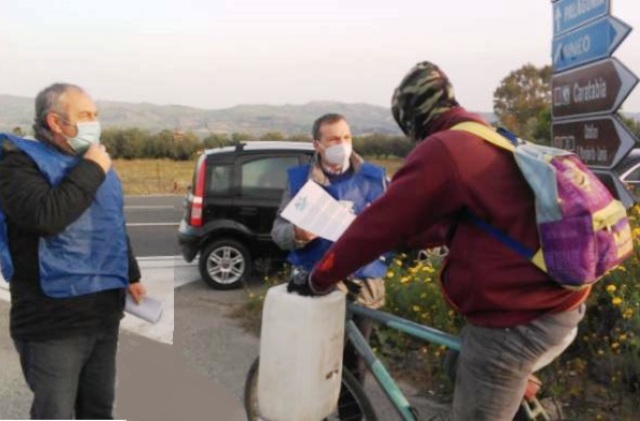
x: 362, y: 188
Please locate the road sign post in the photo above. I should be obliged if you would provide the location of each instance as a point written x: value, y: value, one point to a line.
x: 571, y: 14
x: 594, y: 41
x: 588, y: 87
x: 614, y: 185
x: 593, y: 89
x: 600, y: 142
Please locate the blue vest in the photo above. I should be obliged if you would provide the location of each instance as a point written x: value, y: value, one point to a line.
x: 365, y: 186
x: 90, y: 255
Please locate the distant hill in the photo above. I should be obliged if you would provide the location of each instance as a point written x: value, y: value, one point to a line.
x: 253, y: 119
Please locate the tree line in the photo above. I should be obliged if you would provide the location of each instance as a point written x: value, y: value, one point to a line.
x: 133, y: 143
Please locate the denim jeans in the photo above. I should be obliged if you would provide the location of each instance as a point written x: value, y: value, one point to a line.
x: 492, y: 369
x: 71, y: 377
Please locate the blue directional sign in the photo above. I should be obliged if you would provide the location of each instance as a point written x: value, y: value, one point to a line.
x: 570, y: 14
x: 588, y: 43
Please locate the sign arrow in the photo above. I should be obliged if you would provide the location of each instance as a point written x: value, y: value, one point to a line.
x: 616, y: 187
x: 571, y: 14
x: 588, y: 43
x: 601, y: 142
x: 598, y: 88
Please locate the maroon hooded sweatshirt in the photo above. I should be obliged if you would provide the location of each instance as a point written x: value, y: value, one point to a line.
x: 448, y: 172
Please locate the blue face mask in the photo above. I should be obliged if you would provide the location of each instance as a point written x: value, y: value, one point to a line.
x: 88, y: 133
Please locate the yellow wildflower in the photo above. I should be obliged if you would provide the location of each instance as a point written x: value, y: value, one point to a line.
x: 405, y: 279
x: 416, y: 308
x: 616, y: 301
x: 390, y: 274
x: 622, y: 337
x: 615, y: 345
x: 611, y: 288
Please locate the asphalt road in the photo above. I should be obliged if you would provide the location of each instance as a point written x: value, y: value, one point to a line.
x: 158, y: 381
x: 201, y: 376
x: 152, y: 223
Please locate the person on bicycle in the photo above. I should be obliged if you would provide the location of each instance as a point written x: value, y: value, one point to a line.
x: 355, y: 184
x: 517, y: 317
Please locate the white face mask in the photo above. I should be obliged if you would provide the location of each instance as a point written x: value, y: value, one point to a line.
x: 88, y: 133
x: 339, y: 155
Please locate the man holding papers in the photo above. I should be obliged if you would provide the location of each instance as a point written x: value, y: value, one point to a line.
x: 320, y: 201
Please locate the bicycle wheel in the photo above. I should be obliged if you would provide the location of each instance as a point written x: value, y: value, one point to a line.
x: 349, y: 382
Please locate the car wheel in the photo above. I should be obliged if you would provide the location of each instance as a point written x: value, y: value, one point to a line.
x: 225, y: 264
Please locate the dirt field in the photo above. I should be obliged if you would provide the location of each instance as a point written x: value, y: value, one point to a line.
x: 154, y: 176
x: 163, y: 176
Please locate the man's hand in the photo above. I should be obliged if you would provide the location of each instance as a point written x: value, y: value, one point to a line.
x: 299, y: 283
x: 302, y: 235
x: 352, y: 288
x: 98, y: 154
x: 137, y: 291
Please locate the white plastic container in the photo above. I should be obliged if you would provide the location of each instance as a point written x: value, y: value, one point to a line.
x: 301, y: 348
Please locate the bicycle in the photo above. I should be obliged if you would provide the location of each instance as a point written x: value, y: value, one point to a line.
x: 532, y: 409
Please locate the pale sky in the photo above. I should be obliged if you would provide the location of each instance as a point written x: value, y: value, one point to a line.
x: 220, y: 53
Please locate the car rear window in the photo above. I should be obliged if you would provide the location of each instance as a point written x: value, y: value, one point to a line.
x: 219, y: 179
x: 266, y: 176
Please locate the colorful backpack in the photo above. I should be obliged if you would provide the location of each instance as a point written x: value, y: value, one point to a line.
x: 584, y: 232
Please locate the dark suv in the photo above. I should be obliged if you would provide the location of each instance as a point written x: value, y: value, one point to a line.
x: 231, y: 205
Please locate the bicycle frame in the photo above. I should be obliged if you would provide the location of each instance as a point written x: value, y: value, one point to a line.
x: 380, y: 373
x: 425, y: 333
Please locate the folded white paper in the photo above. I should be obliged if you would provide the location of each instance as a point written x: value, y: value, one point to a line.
x: 314, y: 210
x: 149, y: 308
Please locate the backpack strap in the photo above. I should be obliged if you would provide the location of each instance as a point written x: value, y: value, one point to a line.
x: 508, y: 241
x: 502, y: 139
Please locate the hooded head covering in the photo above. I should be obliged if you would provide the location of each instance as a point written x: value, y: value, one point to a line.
x: 424, y: 93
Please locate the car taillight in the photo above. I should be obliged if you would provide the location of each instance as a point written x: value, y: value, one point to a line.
x: 198, y: 196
